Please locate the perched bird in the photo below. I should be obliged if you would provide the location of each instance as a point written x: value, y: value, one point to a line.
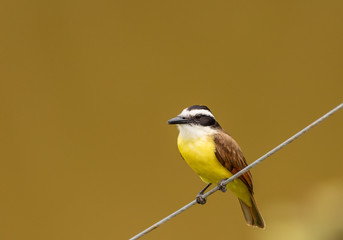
x: 215, y: 156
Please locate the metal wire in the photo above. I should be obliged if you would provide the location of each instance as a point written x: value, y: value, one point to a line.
x: 289, y: 140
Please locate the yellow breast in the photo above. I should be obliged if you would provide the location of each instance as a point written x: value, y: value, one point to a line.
x: 199, y: 153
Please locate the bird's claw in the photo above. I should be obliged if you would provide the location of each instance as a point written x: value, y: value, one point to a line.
x: 222, y: 186
x: 200, y: 199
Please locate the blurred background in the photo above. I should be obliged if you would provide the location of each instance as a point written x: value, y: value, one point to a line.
x: 86, y: 89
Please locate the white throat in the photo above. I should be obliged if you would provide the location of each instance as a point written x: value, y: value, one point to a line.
x: 194, y: 131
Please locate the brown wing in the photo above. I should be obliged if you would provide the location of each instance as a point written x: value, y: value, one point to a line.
x: 231, y: 157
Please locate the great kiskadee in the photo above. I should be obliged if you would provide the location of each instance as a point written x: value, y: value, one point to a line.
x: 215, y: 156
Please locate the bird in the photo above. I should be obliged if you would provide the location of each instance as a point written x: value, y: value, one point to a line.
x: 215, y: 156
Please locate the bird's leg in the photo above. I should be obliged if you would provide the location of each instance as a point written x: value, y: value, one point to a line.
x: 221, y: 185
x: 200, y: 197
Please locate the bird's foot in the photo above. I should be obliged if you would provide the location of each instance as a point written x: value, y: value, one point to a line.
x: 222, y: 186
x: 200, y: 199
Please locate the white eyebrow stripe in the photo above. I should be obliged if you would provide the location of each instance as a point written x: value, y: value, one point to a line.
x: 187, y: 113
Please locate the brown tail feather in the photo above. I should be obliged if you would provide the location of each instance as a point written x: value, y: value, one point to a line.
x: 251, y: 214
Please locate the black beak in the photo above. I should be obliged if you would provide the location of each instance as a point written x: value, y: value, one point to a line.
x: 177, y: 120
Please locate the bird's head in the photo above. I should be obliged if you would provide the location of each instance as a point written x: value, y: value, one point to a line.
x: 196, y: 120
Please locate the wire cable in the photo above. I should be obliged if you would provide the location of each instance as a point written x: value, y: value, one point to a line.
x: 271, y: 152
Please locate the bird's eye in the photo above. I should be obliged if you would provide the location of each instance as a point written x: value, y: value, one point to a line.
x: 197, y: 117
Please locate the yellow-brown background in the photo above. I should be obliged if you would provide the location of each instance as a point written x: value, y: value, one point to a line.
x: 86, y: 90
